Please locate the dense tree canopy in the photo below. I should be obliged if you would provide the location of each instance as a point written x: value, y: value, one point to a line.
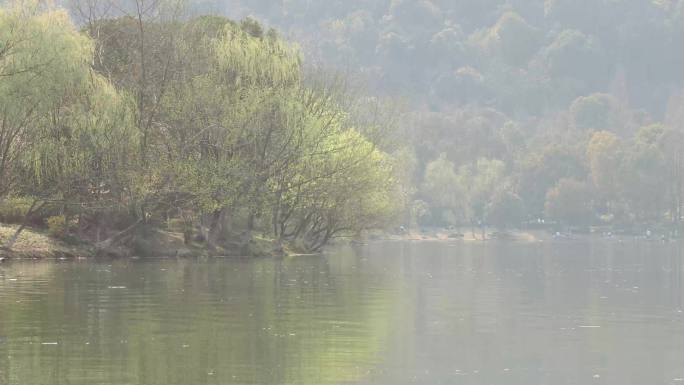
x: 555, y: 89
x: 146, y: 120
x: 160, y: 114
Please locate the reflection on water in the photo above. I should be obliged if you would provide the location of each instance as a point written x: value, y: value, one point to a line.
x: 389, y: 313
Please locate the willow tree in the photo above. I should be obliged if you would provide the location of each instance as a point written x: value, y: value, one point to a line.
x: 441, y: 188
x: 254, y: 146
x: 228, y: 120
x: 83, y: 159
x: 605, y: 155
x: 350, y: 188
x: 135, y: 48
x: 42, y: 58
x: 234, y: 136
x: 65, y: 130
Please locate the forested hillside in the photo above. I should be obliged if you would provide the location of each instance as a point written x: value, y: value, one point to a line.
x: 232, y: 122
x: 519, y: 109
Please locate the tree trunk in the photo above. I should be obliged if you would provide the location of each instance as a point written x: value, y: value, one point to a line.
x: 217, y: 231
x: 118, y: 236
x: 247, y: 234
x: 10, y: 243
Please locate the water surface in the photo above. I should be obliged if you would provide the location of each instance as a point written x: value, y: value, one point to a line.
x: 598, y: 312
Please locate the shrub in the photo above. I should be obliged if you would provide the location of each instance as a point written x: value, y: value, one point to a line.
x: 176, y: 224
x: 13, y: 209
x: 57, y: 226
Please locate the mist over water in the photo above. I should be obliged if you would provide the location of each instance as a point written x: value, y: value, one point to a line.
x: 594, y: 312
x: 534, y: 147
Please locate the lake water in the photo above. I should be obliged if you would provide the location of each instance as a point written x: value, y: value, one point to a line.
x: 555, y: 313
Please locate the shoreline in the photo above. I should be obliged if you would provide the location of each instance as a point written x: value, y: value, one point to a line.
x: 36, y: 243
x: 515, y: 235
x: 445, y: 235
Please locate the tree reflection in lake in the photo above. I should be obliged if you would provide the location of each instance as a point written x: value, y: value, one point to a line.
x: 388, y: 313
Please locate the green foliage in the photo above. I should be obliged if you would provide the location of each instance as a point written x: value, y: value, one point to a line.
x: 505, y: 208
x: 598, y: 112
x: 13, y: 210
x: 441, y: 189
x: 252, y: 27
x: 57, y: 226
x: 575, y: 55
x: 539, y: 172
x: 481, y: 181
x: 569, y: 202
x: 537, y: 85
x: 43, y: 62
x: 643, y: 181
x: 462, y: 196
x: 604, y: 153
x: 221, y: 124
x: 205, y: 118
x: 513, y: 39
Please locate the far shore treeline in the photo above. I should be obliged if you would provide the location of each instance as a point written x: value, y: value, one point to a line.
x: 132, y: 121
x: 547, y: 113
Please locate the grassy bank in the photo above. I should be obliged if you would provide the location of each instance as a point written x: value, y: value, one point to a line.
x: 34, y: 243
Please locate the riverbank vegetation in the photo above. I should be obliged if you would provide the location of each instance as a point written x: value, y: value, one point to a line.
x: 202, y: 126
x: 125, y: 121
